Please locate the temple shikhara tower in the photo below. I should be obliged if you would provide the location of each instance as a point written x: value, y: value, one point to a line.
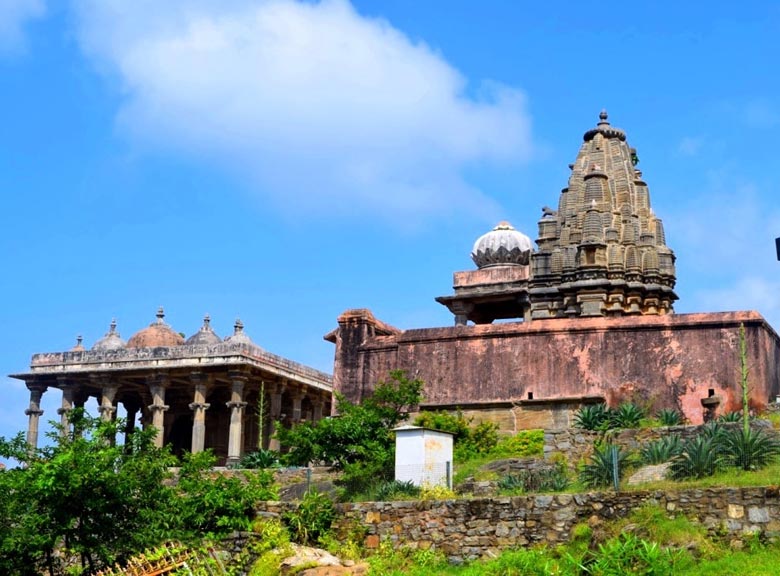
x: 593, y: 306
x: 603, y: 252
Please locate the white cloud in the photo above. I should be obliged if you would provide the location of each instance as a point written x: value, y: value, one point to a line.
x: 14, y: 14
x: 321, y: 107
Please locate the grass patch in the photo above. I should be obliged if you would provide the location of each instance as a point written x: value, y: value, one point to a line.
x: 731, y: 477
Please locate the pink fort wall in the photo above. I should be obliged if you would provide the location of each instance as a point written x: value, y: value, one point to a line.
x: 671, y: 361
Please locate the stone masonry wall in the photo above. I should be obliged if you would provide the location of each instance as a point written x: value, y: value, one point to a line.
x: 470, y: 529
x: 576, y: 445
x: 672, y: 361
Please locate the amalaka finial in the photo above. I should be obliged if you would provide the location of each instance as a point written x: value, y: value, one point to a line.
x: 112, y: 326
x: 238, y: 327
x: 603, y: 116
x: 79, y: 340
x: 206, y: 321
x: 160, y: 315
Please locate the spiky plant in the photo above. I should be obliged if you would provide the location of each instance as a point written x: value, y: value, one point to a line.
x: 599, y: 470
x: 700, y: 457
x: 662, y: 450
x: 627, y: 415
x: 730, y: 417
x: 395, y: 489
x: 749, y: 449
x: 592, y: 417
x: 669, y: 417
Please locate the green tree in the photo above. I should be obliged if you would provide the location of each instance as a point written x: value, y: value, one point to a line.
x: 86, y: 497
x: 359, y: 440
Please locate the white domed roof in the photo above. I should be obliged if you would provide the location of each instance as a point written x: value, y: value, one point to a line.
x: 502, y: 246
x: 205, y: 335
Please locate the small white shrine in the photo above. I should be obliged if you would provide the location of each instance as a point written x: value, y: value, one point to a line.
x: 423, y: 456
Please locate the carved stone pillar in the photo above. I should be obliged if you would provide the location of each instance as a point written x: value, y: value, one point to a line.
x: 276, y: 392
x: 68, y: 397
x: 199, y: 407
x: 157, y: 384
x: 34, y: 413
x: 317, y: 404
x: 236, y: 405
x: 107, y: 408
x: 297, y: 398
x: 132, y: 413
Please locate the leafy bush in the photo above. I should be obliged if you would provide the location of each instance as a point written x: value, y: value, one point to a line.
x: 214, y: 504
x: 629, y: 554
x: 311, y: 519
x: 627, y: 415
x: 661, y: 450
x: 748, y: 449
x: 669, y: 417
x: 454, y: 423
x: 521, y: 445
x: 592, y: 417
x: 599, y: 471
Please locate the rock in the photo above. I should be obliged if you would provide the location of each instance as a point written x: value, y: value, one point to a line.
x: 650, y: 473
x: 312, y: 557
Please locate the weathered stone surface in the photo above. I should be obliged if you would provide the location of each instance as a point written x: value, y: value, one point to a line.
x: 467, y: 529
x: 671, y: 361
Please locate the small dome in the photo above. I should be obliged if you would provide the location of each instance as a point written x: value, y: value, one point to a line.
x: 239, y: 336
x: 204, y: 336
x: 502, y: 246
x: 111, y: 341
x: 79, y: 347
x: 158, y: 333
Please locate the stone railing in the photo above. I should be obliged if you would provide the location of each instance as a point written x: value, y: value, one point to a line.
x: 475, y: 528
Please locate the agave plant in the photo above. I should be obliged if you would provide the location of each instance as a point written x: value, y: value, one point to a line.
x: 592, y: 417
x: 730, y: 417
x: 599, y: 471
x: 259, y: 459
x: 627, y: 415
x: 669, y: 417
x: 700, y: 456
x: 749, y: 449
x: 395, y: 489
x: 662, y: 450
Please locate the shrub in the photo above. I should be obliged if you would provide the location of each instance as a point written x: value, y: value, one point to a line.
x: 395, y: 489
x: 599, y: 470
x: 629, y: 554
x: 748, y: 449
x: 592, y: 417
x: 312, y: 519
x: 627, y: 415
x: 662, y: 450
x: 523, y: 444
x: 700, y: 457
x: 456, y: 424
x: 534, y: 481
x: 669, y: 417
x: 258, y: 459
x: 730, y: 417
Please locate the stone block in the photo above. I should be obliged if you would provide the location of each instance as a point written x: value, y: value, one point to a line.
x: 736, y: 511
x: 758, y: 515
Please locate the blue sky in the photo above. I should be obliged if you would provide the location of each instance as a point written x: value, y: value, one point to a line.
x: 284, y: 161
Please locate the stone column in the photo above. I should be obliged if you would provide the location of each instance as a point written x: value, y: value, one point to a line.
x: 34, y: 413
x: 107, y: 408
x: 132, y: 412
x: 157, y: 384
x: 297, y: 398
x: 317, y: 404
x: 199, y: 407
x: 236, y: 405
x: 68, y: 397
x: 276, y: 391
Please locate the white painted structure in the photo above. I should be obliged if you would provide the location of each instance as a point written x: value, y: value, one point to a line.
x: 423, y: 456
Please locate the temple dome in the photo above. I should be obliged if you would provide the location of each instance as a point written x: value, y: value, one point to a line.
x: 239, y: 336
x: 158, y: 333
x: 502, y: 246
x: 111, y: 340
x: 204, y: 336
